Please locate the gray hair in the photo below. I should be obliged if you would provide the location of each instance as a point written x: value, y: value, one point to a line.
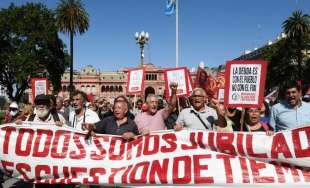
x: 199, y: 89
x: 149, y: 96
x: 60, y: 98
x: 123, y: 103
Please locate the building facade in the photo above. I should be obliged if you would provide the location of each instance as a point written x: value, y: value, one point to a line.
x: 111, y: 84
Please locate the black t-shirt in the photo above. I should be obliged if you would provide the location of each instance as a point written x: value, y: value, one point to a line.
x: 261, y: 129
x: 109, y: 126
x: 110, y: 113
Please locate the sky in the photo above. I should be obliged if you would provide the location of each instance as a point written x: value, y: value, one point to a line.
x: 209, y: 31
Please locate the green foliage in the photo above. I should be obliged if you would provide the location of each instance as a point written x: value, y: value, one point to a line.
x: 2, y: 103
x: 297, y: 28
x: 287, y: 60
x: 72, y: 18
x: 29, y: 46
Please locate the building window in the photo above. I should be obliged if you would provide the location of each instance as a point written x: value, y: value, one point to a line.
x: 151, y: 76
x: 94, y: 90
x: 87, y: 89
x: 111, y: 88
x: 102, y: 89
x: 83, y: 88
x: 120, y: 88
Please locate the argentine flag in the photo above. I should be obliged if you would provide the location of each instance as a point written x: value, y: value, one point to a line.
x: 170, y: 7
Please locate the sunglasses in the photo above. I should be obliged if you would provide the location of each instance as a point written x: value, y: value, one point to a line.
x: 13, y: 109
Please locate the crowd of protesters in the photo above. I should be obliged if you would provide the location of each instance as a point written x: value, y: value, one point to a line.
x: 198, y: 111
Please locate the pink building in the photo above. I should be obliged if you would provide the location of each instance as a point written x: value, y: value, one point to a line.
x: 112, y: 84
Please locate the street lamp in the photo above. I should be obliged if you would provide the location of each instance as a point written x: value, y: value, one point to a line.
x: 142, y: 38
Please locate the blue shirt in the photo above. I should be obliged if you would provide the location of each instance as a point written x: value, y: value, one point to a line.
x: 283, y: 116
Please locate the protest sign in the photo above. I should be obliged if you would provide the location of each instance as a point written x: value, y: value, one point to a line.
x: 178, y: 75
x: 245, y: 83
x: 221, y: 93
x: 135, y: 81
x: 39, y: 86
x: 190, y: 82
x: 45, y: 153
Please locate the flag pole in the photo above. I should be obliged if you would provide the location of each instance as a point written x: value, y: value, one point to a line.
x: 176, y: 33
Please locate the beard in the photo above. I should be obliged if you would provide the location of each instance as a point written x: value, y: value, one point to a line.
x: 42, y: 114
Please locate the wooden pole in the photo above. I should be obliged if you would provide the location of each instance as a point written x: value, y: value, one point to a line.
x: 242, y: 119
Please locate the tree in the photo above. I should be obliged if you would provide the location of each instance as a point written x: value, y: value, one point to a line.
x: 281, y: 67
x: 297, y: 28
x: 29, y: 46
x: 72, y: 18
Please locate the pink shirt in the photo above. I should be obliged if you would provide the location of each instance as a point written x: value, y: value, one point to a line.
x: 152, y: 122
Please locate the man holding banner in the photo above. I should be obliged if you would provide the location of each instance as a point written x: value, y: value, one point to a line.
x: 118, y: 124
x: 292, y: 112
x: 199, y: 116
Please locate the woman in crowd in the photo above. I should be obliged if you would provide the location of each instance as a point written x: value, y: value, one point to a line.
x: 253, y: 123
x: 25, y: 112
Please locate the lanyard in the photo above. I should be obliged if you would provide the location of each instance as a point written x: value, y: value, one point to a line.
x: 76, y: 119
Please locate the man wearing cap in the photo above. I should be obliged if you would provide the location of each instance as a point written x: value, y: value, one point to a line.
x: 13, y: 113
x: 43, y: 112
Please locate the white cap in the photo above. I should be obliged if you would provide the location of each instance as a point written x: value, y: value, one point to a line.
x: 13, y: 105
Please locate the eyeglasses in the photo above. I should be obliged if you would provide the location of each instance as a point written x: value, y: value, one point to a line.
x: 13, y: 109
x: 197, y: 96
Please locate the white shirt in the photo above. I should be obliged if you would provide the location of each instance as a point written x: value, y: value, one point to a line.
x: 188, y: 118
x: 88, y: 117
x: 49, y: 119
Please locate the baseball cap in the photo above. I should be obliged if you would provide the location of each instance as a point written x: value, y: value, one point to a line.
x: 14, y: 105
x: 42, y: 100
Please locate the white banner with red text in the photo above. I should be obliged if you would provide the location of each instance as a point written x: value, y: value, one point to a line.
x: 44, y: 153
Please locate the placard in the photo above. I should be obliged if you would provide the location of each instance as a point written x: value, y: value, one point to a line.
x: 39, y: 86
x: 178, y: 75
x: 135, y: 82
x: 221, y: 94
x: 245, y: 83
x: 190, y: 83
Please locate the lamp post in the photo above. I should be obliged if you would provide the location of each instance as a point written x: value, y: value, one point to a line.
x: 142, y: 38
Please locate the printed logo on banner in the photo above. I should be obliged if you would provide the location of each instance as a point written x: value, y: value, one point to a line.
x: 135, y: 83
x: 180, y: 76
x: 245, y: 83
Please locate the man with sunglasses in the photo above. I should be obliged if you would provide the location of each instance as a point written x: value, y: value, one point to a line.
x: 199, y: 115
x: 13, y: 113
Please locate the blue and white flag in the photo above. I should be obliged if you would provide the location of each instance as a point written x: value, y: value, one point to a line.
x: 170, y: 7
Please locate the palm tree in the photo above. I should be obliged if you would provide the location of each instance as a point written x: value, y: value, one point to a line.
x: 72, y: 18
x: 297, y: 28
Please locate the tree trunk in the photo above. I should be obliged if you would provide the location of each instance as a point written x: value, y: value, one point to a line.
x: 299, y: 61
x: 71, y: 62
